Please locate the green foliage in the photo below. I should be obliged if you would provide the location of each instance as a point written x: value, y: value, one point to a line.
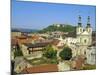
x: 49, y: 52
x: 66, y: 54
x: 39, y: 61
x: 63, y: 28
x: 54, y: 61
x: 89, y: 67
x: 18, y: 51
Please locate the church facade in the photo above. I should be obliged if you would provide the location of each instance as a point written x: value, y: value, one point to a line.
x: 83, y: 39
x: 84, y: 35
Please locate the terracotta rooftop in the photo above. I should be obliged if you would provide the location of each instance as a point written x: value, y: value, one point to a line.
x: 42, y: 68
x: 79, y: 61
x: 55, y: 41
x: 36, y: 45
x: 71, y: 34
x: 14, y: 41
x: 22, y: 37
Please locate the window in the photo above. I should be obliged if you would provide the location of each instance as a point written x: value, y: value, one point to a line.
x: 80, y: 39
x: 26, y: 66
x: 89, y: 30
x: 85, y: 58
x: 29, y: 52
x: 85, y: 41
x: 85, y: 52
x: 19, y: 67
x: 80, y: 30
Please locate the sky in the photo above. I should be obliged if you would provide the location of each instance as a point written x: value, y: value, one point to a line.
x: 38, y: 15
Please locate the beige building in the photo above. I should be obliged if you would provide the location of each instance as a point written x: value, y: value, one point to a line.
x: 15, y: 33
x: 20, y: 64
x: 32, y: 50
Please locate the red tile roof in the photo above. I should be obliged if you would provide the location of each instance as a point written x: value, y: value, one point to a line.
x: 79, y: 62
x: 14, y: 41
x: 55, y: 41
x: 41, y: 68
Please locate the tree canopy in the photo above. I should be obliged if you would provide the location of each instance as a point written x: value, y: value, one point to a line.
x: 49, y: 52
x: 66, y: 54
x: 63, y: 28
x: 18, y: 51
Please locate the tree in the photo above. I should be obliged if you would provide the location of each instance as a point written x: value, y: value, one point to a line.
x: 18, y: 51
x: 49, y: 52
x: 66, y: 54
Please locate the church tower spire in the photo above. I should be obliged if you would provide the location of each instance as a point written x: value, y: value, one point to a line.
x: 88, y: 22
x: 88, y: 27
x: 79, y: 28
x: 79, y: 21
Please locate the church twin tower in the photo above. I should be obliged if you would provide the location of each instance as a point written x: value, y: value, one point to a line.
x: 84, y: 35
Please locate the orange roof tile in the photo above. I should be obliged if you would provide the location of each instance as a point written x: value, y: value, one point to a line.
x: 41, y: 68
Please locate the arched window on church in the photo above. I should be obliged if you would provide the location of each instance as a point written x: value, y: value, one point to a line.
x: 89, y: 30
x: 85, y: 52
x: 85, y: 41
x: 19, y: 67
x: 80, y: 39
x: 80, y: 30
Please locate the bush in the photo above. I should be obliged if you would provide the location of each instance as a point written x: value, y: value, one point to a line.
x: 66, y: 54
x: 89, y: 67
x: 18, y: 51
x: 49, y: 52
x: 54, y: 61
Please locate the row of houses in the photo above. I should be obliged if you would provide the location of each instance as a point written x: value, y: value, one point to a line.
x: 33, y: 45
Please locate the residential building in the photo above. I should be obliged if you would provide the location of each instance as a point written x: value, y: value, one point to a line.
x: 34, y: 50
x: 20, y: 64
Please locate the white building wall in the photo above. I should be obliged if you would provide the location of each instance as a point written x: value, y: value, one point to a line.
x: 24, y: 50
x: 91, y: 56
x: 71, y: 40
x: 64, y: 66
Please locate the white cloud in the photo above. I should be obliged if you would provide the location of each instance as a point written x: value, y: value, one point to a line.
x: 84, y: 2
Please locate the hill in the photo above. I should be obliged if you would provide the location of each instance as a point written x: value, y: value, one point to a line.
x: 23, y: 30
x: 60, y: 27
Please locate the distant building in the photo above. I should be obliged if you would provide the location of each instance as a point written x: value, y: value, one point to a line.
x: 59, y: 25
x: 15, y: 33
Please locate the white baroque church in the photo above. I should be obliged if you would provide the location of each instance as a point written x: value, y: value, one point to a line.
x: 83, y: 39
x: 84, y: 35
